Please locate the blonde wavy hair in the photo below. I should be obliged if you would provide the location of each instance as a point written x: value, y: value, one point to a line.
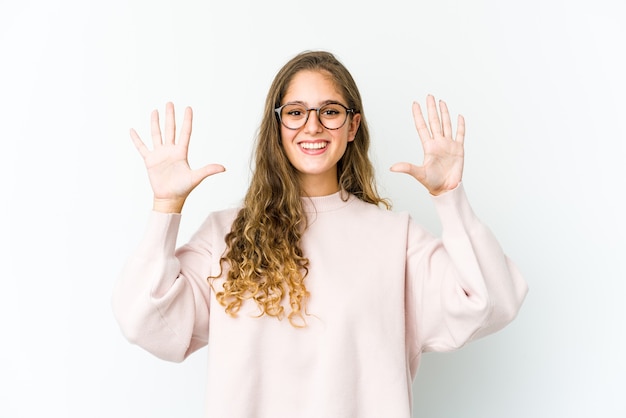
x: 263, y: 252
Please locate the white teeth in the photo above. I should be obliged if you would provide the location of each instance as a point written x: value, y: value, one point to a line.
x: 313, y: 145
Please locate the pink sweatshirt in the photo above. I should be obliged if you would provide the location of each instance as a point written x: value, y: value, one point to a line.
x: 383, y: 291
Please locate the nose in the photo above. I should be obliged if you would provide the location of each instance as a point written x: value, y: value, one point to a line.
x: 312, y: 124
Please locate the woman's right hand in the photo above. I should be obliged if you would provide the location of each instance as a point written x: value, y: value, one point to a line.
x: 170, y: 176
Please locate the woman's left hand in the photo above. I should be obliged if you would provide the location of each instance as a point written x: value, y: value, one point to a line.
x: 442, y: 168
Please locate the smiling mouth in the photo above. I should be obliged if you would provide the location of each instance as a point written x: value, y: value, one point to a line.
x: 313, y: 145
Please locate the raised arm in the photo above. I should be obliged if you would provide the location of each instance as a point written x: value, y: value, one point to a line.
x: 463, y: 286
x: 161, y: 298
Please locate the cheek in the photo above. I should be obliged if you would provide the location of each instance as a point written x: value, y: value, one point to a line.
x: 286, y: 135
x: 287, y: 143
x: 346, y: 135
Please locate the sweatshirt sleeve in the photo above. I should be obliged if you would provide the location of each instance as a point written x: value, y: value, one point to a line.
x: 161, y: 297
x: 460, y: 287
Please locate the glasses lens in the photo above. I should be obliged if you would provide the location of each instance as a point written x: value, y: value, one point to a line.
x: 293, y: 116
x: 333, y: 116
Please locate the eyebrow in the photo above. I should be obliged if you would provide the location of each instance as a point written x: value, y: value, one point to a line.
x: 325, y: 102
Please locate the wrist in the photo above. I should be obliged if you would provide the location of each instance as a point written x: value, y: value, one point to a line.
x: 168, y: 205
x: 443, y: 190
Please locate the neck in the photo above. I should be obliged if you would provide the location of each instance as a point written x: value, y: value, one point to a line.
x: 315, y: 186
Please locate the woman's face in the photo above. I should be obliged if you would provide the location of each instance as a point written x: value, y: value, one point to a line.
x: 313, y: 149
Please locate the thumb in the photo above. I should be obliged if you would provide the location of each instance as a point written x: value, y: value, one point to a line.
x: 415, y: 171
x: 206, y: 171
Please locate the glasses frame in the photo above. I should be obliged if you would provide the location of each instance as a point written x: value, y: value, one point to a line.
x: 349, y: 111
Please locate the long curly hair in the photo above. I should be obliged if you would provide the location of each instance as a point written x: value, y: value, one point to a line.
x: 263, y: 253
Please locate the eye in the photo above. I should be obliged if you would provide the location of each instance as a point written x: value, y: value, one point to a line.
x: 332, y: 111
x: 294, y: 111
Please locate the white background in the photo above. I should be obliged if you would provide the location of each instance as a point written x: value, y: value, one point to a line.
x: 540, y: 83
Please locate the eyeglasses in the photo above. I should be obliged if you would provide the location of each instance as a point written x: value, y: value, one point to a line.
x: 295, y: 115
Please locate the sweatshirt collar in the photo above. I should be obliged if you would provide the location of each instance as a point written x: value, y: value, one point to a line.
x: 328, y: 203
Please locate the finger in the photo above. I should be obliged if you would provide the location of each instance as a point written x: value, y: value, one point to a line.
x: 185, y: 132
x: 460, y: 129
x: 141, y: 147
x: 155, y: 128
x: 416, y: 171
x: 445, y: 119
x: 433, y: 116
x: 420, y: 123
x: 208, y: 170
x: 170, y: 123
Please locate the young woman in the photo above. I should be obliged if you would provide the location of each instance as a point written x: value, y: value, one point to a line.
x: 313, y: 298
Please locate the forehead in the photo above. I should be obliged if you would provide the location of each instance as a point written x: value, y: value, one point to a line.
x: 312, y: 87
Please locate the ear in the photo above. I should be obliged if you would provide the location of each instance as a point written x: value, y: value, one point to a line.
x: 355, y: 122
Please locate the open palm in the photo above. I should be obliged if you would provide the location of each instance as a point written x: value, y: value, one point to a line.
x: 170, y: 176
x: 442, y: 168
